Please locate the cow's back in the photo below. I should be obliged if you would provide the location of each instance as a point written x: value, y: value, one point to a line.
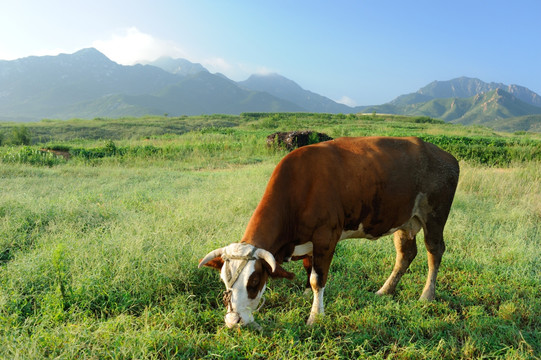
x: 372, y: 181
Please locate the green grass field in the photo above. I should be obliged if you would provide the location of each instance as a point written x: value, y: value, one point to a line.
x: 99, y: 253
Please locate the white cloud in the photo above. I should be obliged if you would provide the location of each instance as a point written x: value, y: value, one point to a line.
x: 346, y: 100
x: 217, y: 64
x: 234, y: 71
x: 263, y: 70
x: 130, y: 46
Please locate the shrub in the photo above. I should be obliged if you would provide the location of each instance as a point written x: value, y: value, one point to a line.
x: 29, y: 155
x: 20, y: 136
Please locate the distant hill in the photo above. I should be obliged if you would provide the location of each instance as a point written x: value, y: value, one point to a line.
x: 87, y: 84
x: 289, y: 90
x: 470, y: 101
x: 205, y: 93
x: 465, y: 87
x: 37, y: 87
x: 520, y: 123
x: 490, y: 109
x: 202, y: 93
x: 493, y: 106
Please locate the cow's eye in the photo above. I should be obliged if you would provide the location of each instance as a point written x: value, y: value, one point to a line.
x: 254, y: 281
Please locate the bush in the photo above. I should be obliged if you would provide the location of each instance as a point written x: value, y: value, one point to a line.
x: 28, y: 155
x: 20, y: 136
x: 426, y: 120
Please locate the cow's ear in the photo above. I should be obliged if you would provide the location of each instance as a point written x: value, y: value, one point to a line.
x: 215, y: 263
x: 280, y: 272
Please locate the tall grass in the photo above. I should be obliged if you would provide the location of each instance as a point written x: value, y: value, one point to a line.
x: 98, y: 259
x: 101, y: 262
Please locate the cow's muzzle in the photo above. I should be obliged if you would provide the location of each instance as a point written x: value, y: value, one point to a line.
x: 233, y: 319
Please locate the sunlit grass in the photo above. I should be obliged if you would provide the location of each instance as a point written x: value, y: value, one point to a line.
x: 98, y: 259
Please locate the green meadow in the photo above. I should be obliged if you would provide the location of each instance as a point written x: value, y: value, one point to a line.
x: 103, y: 222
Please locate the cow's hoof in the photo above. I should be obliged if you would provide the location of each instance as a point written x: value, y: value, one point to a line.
x: 313, y: 319
x: 427, y: 297
x: 381, y: 292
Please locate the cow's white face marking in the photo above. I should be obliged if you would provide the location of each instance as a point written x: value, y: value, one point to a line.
x: 241, y: 306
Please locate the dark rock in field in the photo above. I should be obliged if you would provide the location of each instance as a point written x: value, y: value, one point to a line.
x: 295, y: 139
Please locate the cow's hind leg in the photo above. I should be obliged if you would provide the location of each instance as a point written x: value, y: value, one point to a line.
x: 435, y: 247
x: 406, y: 250
x: 307, y: 263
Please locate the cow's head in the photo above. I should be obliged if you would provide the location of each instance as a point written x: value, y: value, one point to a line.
x: 244, y: 269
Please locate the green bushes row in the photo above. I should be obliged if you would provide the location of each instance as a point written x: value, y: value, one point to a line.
x: 491, y: 151
x: 488, y: 150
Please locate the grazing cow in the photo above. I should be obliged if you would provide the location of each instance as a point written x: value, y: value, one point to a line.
x: 320, y: 194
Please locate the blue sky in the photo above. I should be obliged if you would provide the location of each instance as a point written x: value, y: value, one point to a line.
x: 360, y: 52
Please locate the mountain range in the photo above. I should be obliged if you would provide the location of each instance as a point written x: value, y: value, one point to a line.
x: 87, y: 84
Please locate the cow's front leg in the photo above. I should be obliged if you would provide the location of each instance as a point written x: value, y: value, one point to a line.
x: 321, y: 261
x: 318, y: 308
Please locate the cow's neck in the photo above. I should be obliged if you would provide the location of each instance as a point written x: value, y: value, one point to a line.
x: 269, y: 228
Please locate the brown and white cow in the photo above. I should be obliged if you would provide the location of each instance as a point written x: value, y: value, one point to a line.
x: 364, y: 187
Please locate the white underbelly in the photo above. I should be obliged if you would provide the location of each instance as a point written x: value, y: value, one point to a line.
x: 304, y: 249
x: 412, y: 226
x: 356, y: 234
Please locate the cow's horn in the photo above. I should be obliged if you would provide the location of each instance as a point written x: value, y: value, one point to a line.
x: 268, y: 257
x: 211, y: 255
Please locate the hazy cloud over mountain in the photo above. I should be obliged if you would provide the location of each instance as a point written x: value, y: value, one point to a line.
x: 129, y: 46
x: 346, y: 100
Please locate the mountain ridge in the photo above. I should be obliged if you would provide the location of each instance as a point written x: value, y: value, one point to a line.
x: 284, y: 88
x: 88, y: 84
x: 482, y: 109
x: 464, y: 87
x: 177, y: 66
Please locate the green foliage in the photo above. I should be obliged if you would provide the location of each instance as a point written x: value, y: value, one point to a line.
x: 17, y: 135
x: 313, y: 138
x: 426, y: 120
x: 20, y: 136
x: 29, y: 155
x: 489, y: 151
